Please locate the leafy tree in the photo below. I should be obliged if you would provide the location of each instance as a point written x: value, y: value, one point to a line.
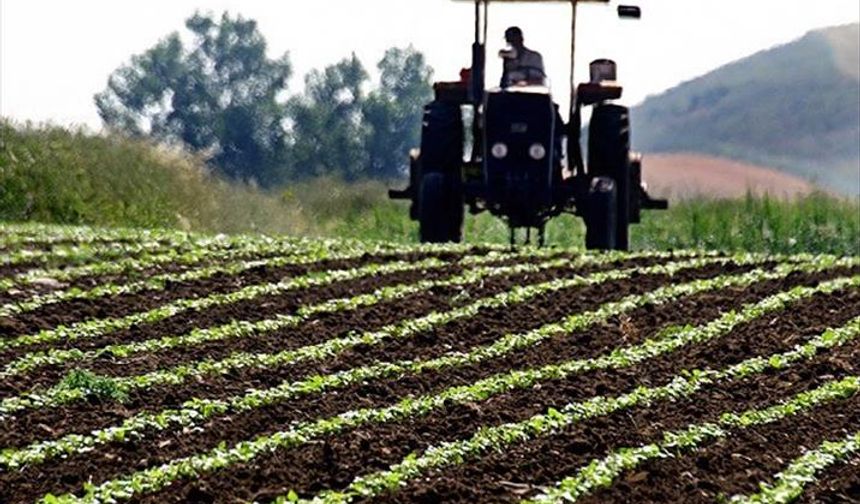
x: 339, y: 129
x: 222, y: 97
x: 393, y: 111
x: 327, y: 123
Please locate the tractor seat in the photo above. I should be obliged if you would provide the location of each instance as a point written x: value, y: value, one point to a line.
x: 590, y: 93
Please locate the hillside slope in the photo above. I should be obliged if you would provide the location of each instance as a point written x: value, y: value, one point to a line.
x: 795, y: 107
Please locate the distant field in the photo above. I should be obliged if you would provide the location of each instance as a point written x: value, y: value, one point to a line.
x: 690, y: 176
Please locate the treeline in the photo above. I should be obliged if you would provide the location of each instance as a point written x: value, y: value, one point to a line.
x: 222, y: 97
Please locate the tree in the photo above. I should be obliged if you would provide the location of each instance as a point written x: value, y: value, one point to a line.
x: 394, y: 110
x: 222, y: 97
x: 327, y: 122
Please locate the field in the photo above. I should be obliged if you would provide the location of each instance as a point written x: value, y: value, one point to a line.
x: 159, y: 367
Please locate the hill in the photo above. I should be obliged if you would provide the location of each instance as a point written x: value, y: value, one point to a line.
x: 795, y: 107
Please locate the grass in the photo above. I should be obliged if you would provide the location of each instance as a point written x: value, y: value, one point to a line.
x: 814, y: 223
x: 54, y: 175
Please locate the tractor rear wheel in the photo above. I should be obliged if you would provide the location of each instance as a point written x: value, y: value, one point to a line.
x: 601, y: 218
x: 440, y: 209
x: 609, y: 156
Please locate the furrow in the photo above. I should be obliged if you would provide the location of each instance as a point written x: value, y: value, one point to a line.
x: 15, y: 237
x: 61, y: 309
x: 545, y: 460
x: 217, y: 249
x: 717, y: 470
x: 839, y: 483
x: 179, y: 374
x: 333, y: 297
x: 83, y: 416
x: 19, y: 260
x: 506, y: 476
x: 790, y: 483
x: 238, y: 329
x: 198, y: 411
x: 154, y: 479
x: 504, y: 436
x: 603, y: 472
x: 92, y: 329
x: 158, y: 282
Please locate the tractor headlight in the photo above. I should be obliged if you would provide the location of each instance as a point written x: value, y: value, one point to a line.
x: 499, y: 150
x: 537, y: 152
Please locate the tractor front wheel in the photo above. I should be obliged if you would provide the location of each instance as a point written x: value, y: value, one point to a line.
x: 601, y: 216
x: 440, y: 209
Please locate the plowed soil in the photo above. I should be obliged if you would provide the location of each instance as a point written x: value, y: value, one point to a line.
x: 734, y: 465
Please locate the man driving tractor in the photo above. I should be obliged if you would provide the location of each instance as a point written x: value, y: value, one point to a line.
x: 518, y: 168
x: 522, y: 65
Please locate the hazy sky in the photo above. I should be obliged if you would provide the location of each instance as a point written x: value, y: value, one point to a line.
x: 55, y: 54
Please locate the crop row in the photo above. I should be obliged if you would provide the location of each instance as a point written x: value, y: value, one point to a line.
x: 22, y: 235
x: 17, y: 235
x: 316, y: 251
x: 602, y: 472
x: 27, y: 233
x: 158, y: 282
x: 791, y: 482
x: 237, y: 329
x: 60, y: 394
x: 83, y: 253
x: 669, y: 340
x: 12, y: 240
x: 35, y: 360
x: 155, y: 478
x: 75, y: 248
x: 197, y: 411
x: 218, y: 249
x: 101, y: 327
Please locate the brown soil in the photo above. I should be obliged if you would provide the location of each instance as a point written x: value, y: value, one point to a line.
x: 736, y: 464
x: 333, y: 462
x: 68, y: 312
x: 23, y: 292
x: 13, y: 269
x: 85, y: 417
x: 523, y: 470
x: 838, y: 484
x: 641, y: 425
x: 250, y: 311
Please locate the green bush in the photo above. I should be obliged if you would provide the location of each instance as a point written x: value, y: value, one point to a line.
x: 50, y: 174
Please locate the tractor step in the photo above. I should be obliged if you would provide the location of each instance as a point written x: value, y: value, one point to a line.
x: 400, y: 194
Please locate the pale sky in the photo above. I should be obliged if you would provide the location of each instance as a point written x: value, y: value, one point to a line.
x: 55, y: 54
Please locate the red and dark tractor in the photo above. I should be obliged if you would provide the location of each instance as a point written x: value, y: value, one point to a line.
x: 508, y: 151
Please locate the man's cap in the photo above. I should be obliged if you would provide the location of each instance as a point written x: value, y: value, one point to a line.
x: 513, y: 32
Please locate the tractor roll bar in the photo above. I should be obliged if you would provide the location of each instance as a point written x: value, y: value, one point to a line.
x: 479, y: 49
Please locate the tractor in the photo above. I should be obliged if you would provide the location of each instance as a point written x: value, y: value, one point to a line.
x: 508, y: 151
